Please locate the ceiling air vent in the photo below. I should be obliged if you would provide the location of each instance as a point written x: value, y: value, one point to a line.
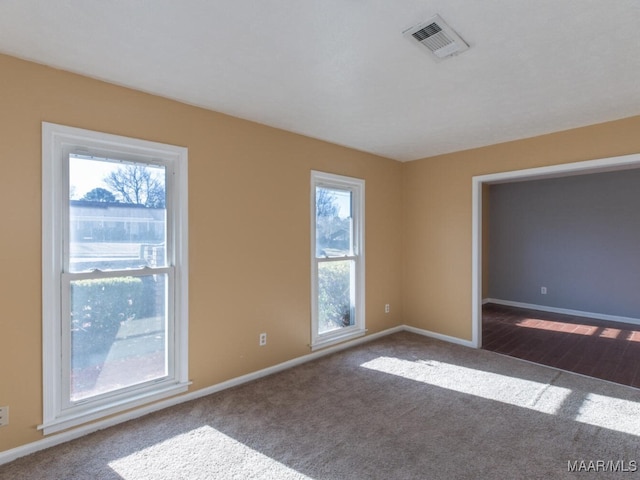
x: 438, y: 37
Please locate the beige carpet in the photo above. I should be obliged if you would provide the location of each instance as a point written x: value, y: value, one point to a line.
x: 403, y: 407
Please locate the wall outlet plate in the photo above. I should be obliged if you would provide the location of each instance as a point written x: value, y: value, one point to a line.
x: 4, y: 416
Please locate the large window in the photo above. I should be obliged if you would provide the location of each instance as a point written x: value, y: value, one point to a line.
x: 114, y: 274
x: 337, y: 258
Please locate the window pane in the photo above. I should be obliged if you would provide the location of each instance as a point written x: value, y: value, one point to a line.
x: 334, y: 231
x: 118, y: 333
x: 117, y: 215
x: 335, y: 295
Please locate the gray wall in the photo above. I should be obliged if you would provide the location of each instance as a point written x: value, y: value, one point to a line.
x: 578, y: 236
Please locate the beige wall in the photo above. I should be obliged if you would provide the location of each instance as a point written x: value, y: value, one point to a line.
x: 249, y: 228
x: 437, y: 212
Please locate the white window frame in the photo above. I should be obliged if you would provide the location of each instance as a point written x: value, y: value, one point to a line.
x: 58, y: 141
x: 356, y: 186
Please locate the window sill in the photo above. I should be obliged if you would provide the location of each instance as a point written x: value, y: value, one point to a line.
x: 334, y: 339
x: 76, y: 418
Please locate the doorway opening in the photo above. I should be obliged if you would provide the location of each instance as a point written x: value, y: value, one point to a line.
x: 478, y: 182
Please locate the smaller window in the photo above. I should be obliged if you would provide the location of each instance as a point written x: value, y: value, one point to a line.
x: 337, y: 263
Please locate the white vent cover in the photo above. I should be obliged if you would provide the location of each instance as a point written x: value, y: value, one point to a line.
x: 438, y: 37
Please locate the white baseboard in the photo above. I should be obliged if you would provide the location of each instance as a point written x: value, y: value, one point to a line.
x: 439, y: 336
x: 57, y: 439
x: 566, y: 311
x: 289, y: 364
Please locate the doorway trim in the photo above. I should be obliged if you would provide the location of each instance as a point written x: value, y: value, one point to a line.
x: 600, y: 165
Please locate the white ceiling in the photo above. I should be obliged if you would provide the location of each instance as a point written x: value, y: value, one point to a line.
x: 341, y: 70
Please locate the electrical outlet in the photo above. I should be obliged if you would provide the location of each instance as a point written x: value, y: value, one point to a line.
x: 387, y: 308
x: 263, y: 339
x: 4, y: 416
x: 543, y: 290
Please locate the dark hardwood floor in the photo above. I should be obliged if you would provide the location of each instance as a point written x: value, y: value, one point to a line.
x: 601, y: 349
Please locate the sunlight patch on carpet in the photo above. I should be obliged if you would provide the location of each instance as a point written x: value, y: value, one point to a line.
x: 530, y: 394
x: 201, y: 453
x: 589, y: 408
x: 604, y: 411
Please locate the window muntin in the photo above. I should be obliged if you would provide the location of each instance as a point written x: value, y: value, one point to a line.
x: 338, y: 258
x: 114, y: 274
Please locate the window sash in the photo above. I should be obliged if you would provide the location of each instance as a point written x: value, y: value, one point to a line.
x: 66, y: 352
x: 123, y: 158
